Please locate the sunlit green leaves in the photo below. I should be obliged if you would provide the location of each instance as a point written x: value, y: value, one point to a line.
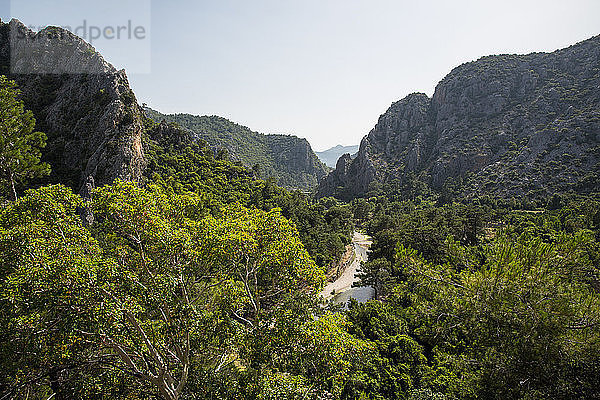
x: 19, y: 144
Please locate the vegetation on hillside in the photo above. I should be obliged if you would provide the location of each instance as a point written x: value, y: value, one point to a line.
x: 19, y: 144
x: 178, y: 161
x: 159, y: 296
x: 496, y: 301
x: 202, y: 282
x: 287, y: 159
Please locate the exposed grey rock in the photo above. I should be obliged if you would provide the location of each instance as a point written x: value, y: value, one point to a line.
x: 85, y: 213
x: 508, y: 125
x: 83, y: 104
x: 52, y: 50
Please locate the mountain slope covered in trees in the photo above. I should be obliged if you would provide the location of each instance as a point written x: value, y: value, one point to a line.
x: 508, y: 125
x: 96, y: 133
x: 105, y: 284
x: 288, y: 159
x: 179, y: 274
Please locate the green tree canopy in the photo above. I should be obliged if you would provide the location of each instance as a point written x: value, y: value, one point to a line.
x: 19, y: 144
x: 159, y: 296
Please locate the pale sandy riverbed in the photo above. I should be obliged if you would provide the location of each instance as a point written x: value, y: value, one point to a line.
x: 342, y: 287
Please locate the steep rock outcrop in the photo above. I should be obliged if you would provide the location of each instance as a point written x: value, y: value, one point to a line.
x: 509, y: 125
x: 83, y: 104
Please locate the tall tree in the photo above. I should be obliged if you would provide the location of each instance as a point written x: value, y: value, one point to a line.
x: 156, y: 298
x: 19, y: 144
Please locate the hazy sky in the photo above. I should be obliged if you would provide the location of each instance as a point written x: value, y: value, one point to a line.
x: 324, y: 70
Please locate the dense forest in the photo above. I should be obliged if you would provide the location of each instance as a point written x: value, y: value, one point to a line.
x: 203, y: 281
x: 493, y: 300
x: 289, y: 160
x: 140, y: 262
x: 176, y: 288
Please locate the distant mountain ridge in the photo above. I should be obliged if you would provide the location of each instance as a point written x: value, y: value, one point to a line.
x: 330, y: 156
x: 507, y: 125
x: 288, y: 159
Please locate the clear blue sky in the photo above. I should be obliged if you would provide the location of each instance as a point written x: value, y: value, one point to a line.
x: 324, y: 70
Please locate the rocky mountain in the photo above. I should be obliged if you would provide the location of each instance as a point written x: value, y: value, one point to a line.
x: 330, y: 156
x: 288, y: 159
x: 96, y: 129
x: 508, y: 125
x: 83, y: 104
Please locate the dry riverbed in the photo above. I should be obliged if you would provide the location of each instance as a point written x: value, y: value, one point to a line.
x: 341, y: 290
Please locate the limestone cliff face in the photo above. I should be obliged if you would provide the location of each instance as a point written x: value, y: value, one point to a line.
x: 295, y: 162
x: 508, y: 125
x: 83, y: 104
